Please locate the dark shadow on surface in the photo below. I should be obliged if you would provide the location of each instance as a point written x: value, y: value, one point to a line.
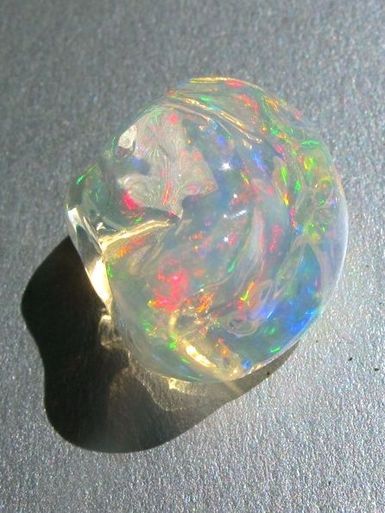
x: 93, y: 396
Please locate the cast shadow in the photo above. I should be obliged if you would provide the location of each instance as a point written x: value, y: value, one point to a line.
x: 94, y: 396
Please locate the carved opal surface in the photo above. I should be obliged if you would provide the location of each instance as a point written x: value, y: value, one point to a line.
x: 213, y: 227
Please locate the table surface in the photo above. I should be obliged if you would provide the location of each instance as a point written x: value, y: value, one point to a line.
x: 310, y: 438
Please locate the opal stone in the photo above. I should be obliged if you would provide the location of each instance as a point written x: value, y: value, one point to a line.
x: 213, y: 227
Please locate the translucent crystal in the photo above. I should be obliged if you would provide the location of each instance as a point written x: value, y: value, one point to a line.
x: 213, y: 227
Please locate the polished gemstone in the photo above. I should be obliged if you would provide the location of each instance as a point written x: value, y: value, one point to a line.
x: 213, y: 227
